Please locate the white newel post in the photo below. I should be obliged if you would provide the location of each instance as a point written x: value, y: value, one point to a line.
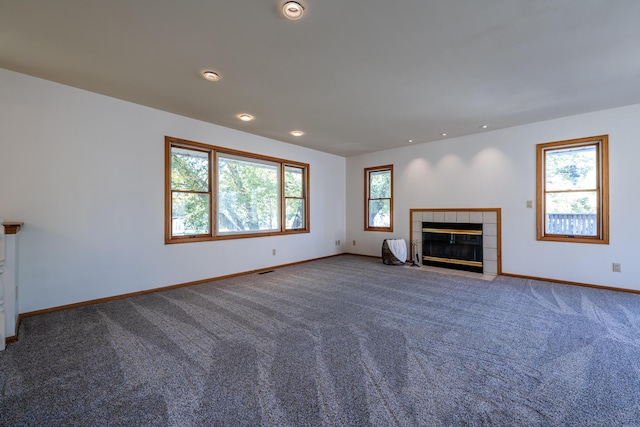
x: 2, y: 313
x: 8, y: 281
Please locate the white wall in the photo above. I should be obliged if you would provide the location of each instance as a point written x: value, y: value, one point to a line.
x: 85, y: 173
x: 496, y: 169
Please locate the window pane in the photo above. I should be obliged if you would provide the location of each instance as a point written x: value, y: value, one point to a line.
x: 380, y: 185
x: 293, y: 182
x: 380, y: 213
x: 248, y: 194
x: 190, y: 214
x: 189, y: 169
x: 245, y: 192
x: 572, y: 213
x: 571, y: 169
x: 294, y: 213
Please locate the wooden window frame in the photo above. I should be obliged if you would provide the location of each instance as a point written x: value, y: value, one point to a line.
x: 304, y: 198
x: 213, y: 234
x: 367, y: 199
x: 601, y: 143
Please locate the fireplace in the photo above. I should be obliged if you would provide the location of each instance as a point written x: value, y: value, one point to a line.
x: 453, y: 245
x: 490, y: 218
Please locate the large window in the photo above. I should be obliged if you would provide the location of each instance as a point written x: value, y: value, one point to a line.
x: 573, y: 190
x: 218, y: 193
x: 378, y: 188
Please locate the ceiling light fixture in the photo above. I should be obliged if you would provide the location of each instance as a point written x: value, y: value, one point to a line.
x: 245, y: 117
x: 443, y: 134
x: 212, y: 76
x: 297, y: 133
x: 292, y: 10
x: 409, y: 140
x: 484, y: 126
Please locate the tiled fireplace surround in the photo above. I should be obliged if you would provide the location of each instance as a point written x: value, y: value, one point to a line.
x: 489, y: 218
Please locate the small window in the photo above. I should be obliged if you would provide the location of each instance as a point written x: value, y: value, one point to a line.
x: 573, y: 190
x: 294, y: 197
x: 190, y: 192
x: 378, y: 183
x: 217, y: 193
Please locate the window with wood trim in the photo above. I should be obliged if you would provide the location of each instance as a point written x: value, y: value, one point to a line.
x: 217, y: 193
x: 378, y: 189
x: 294, y: 197
x: 573, y: 190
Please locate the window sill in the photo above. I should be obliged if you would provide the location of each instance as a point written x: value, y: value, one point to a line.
x: 574, y: 239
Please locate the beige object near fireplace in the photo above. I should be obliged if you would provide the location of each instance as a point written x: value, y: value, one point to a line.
x: 488, y: 217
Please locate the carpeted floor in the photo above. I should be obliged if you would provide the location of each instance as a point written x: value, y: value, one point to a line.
x: 345, y: 341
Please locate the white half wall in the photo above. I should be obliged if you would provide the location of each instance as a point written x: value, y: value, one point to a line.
x: 496, y: 169
x: 85, y: 173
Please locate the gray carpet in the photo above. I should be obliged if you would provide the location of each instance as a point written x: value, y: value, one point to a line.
x: 345, y: 341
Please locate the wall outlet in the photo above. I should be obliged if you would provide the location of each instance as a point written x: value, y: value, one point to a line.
x: 529, y: 203
x: 354, y: 243
x: 338, y: 243
x: 273, y: 251
x: 617, y: 267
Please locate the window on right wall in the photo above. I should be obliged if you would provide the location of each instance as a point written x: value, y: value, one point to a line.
x: 572, y: 180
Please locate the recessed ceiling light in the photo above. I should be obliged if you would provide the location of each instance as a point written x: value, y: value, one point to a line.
x: 212, y: 76
x: 245, y: 117
x: 443, y: 134
x: 409, y: 140
x: 484, y: 126
x: 297, y: 133
x: 292, y: 10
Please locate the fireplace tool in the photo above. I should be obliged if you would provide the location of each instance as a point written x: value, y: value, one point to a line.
x: 415, y: 251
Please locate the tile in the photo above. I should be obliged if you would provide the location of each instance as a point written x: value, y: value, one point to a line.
x: 489, y: 242
x: 450, y: 217
x: 490, y: 217
x: 475, y: 217
x: 490, y: 267
x: 489, y: 230
x: 489, y: 254
x: 438, y: 216
x: 462, y: 217
x: 427, y: 216
x: 416, y: 216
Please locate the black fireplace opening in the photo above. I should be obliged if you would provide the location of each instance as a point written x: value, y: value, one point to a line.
x: 452, y: 245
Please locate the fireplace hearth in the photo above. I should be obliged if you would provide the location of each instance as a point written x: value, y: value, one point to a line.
x: 452, y: 245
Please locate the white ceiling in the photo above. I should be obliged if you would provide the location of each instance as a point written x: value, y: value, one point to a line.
x: 355, y: 75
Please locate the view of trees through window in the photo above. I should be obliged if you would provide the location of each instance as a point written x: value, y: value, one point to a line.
x: 191, y: 195
x: 378, y: 186
x: 247, y: 195
x: 244, y: 193
x: 573, y: 190
x: 294, y: 197
x: 571, y: 180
